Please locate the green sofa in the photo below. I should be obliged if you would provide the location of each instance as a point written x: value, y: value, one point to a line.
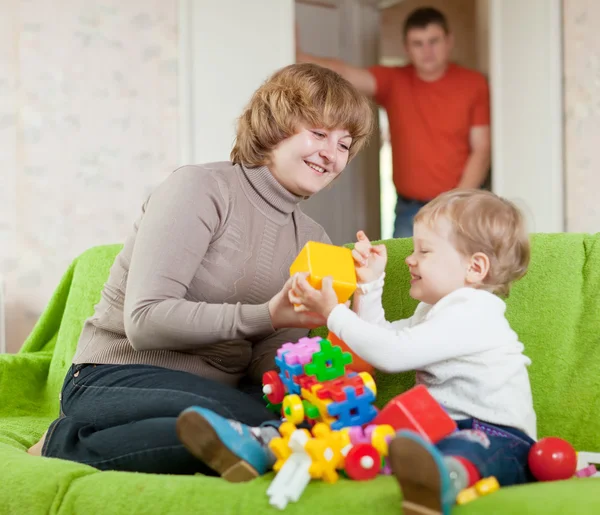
x: 555, y: 309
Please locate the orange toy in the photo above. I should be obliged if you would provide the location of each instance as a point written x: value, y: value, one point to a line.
x: 358, y: 364
x: 321, y: 260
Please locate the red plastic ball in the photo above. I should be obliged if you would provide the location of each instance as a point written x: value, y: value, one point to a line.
x: 552, y: 459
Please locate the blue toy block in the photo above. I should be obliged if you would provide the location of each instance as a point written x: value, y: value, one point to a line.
x: 354, y: 411
x: 288, y: 372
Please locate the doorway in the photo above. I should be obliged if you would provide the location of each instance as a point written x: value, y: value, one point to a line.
x: 518, y: 47
x: 468, y: 20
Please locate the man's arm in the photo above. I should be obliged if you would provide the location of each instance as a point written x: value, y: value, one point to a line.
x: 360, y: 78
x: 478, y: 164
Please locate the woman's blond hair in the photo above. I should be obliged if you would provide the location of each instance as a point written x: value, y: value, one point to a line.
x: 481, y: 221
x: 300, y: 95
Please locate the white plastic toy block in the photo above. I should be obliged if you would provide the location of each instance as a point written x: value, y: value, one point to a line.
x: 294, y: 476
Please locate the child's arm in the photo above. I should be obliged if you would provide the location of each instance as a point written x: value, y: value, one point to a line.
x: 451, y: 332
x: 370, y: 262
x: 368, y: 306
x: 452, y: 328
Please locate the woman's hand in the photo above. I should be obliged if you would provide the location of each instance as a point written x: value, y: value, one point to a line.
x: 283, y: 314
x: 308, y: 299
x: 369, y: 260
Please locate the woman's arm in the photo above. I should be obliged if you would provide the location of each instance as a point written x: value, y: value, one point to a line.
x: 180, y: 220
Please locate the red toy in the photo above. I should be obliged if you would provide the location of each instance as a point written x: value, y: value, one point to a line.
x: 552, y: 459
x: 417, y: 411
x: 363, y: 462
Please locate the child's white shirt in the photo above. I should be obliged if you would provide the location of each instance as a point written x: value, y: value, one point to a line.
x: 463, y: 349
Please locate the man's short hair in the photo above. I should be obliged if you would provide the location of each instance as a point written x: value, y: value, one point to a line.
x: 424, y: 16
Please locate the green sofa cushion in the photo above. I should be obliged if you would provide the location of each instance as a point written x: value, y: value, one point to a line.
x: 553, y: 309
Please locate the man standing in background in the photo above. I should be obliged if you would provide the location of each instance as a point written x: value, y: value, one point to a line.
x: 438, y: 112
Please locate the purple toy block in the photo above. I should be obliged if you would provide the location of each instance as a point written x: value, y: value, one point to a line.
x: 299, y: 353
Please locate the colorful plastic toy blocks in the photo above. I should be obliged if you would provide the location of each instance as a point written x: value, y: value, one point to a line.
x: 356, y: 410
x: 290, y: 360
x: 302, y: 457
x: 418, y: 411
x: 358, y: 364
x: 321, y: 260
x: 313, y: 385
x: 329, y: 363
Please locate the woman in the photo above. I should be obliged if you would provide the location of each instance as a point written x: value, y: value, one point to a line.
x: 196, y: 303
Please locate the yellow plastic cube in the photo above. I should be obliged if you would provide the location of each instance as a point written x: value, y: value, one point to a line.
x: 321, y: 260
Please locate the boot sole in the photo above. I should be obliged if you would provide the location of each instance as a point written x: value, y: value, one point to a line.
x: 210, y: 449
x: 418, y: 476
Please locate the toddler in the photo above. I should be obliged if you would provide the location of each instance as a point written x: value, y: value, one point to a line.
x: 469, y: 245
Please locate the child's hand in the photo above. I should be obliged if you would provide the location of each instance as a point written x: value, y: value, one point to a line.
x: 307, y: 298
x: 369, y: 260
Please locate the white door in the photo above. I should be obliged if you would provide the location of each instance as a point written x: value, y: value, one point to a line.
x: 227, y: 49
x: 527, y: 108
x: 348, y: 30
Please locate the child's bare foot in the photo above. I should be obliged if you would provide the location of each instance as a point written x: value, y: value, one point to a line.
x: 36, y: 449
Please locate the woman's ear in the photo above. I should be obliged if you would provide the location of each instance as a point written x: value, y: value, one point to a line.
x: 479, y: 268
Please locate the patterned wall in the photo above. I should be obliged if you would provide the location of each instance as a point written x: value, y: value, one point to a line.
x: 88, y: 125
x: 582, y: 114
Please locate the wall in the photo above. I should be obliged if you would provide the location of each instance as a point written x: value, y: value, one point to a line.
x: 461, y: 15
x: 582, y: 114
x: 88, y: 125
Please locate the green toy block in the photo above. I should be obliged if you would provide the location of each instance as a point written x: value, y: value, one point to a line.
x: 276, y: 408
x: 310, y: 410
x: 329, y: 363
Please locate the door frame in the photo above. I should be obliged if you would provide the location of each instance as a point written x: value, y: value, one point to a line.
x: 526, y: 61
x: 528, y: 157
x: 542, y: 162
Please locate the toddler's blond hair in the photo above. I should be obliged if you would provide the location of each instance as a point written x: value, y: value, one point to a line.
x: 484, y: 222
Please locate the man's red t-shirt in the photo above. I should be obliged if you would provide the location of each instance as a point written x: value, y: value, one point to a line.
x: 430, y: 124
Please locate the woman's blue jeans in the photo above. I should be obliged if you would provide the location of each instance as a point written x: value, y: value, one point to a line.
x: 122, y: 417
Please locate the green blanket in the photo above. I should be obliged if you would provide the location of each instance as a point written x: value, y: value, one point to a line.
x: 554, y: 310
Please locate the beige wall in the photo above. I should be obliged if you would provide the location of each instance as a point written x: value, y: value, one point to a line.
x: 88, y: 124
x: 582, y: 114
x: 461, y: 14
